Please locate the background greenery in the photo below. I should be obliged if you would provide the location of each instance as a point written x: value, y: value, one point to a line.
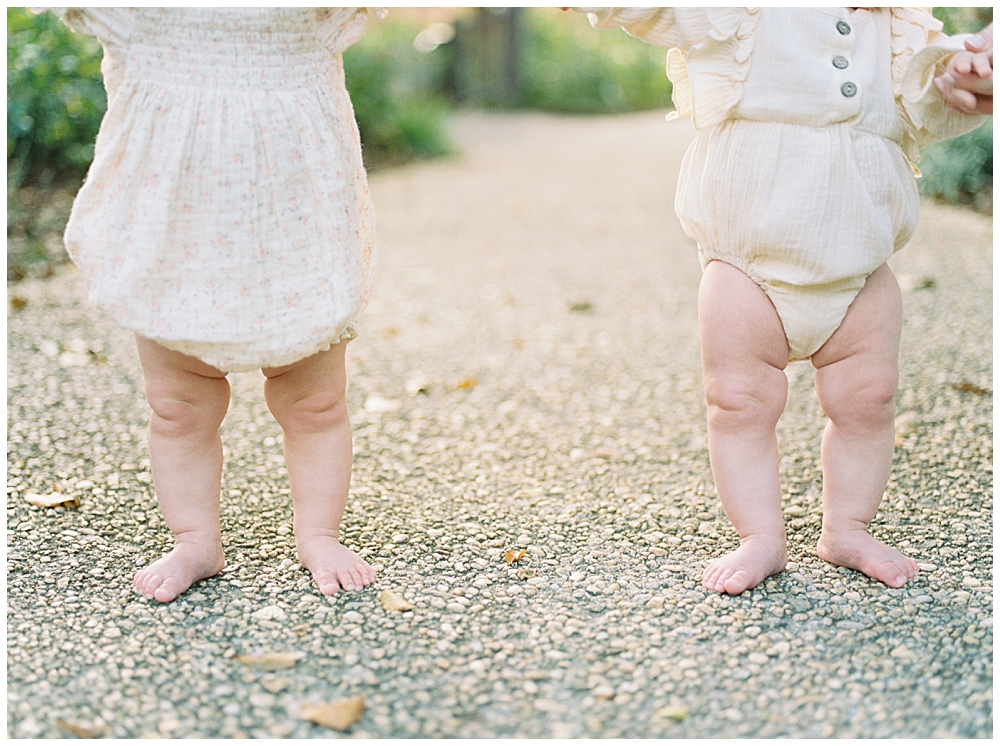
x: 402, y: 97
x: 569, y: 67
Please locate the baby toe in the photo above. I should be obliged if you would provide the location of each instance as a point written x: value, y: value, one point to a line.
x: 168, y: 590
x: 327, y: 582
x: 349, y: 579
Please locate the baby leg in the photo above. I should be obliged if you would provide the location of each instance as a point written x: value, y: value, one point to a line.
x: 188, y: 400
x: 856, y: 377
x: 307, y: 400
x: 743, y: 353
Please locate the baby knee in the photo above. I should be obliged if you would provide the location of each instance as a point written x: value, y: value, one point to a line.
x: 872, y: 400
x: 314, y: 413
x: 182, y: 412
x: 746, y: 400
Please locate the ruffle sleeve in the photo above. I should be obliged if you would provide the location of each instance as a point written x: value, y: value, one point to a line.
x: 663, y: 27
x: 341, y: 27
x: 709, y: 51
x: 716, y: 67
x: 113, y: 27
x: 919, y: 52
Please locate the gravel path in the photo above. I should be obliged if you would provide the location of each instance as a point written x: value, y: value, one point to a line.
x: 527, y: 378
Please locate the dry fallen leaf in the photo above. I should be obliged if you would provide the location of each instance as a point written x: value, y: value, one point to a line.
x: 581, y: 307
x: 970, y: 388
x: 392, y: 601
x: 339, y: 715
x: 604, y: 453
x: 53, y: 500
x: 17, y: 302
x: 465, y: 383
x: 514, y: 556
x: 81, y: 730
x: 670, y: 713
x: 262, y: 661
x: 390, y: 331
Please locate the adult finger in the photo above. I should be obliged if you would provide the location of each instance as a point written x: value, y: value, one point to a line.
x: 981, y: 41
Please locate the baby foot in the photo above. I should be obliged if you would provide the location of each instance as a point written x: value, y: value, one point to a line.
x: 175, y: 572
x: 334, y: 566
x: 860, y: 551
x: 757, y: 558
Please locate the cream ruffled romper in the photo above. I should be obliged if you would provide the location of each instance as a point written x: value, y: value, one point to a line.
x: 808, y: 122
x: 226, y: 214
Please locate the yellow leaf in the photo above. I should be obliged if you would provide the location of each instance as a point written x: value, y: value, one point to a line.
x: 514, y: 556
x: 970, y: 388
x: 339, y: 715
x: 466, y: 383
x: 392, y: 601
x: 81, y: 730
x: 53, y: 500
x: 262, y: 661
x: 670, y: 713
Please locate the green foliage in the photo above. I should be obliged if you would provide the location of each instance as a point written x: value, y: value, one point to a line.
x: 963, y: 20
x: 396, y: 92
x: 570, y: 67
x: 55, y: 98
x: 961, y: 170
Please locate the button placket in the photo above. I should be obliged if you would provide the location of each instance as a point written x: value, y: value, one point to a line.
x: 848, y: 89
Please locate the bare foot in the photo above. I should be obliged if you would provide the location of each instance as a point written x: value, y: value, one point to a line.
x: 171, y: 575
x: 860, y: 551
x: 757, y: 558
x: 334, y: 566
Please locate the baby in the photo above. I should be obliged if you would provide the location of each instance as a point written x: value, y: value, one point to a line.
x: 798, y: 187
x: 226, y: 221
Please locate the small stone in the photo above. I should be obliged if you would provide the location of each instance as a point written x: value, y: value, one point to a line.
x: 779, y: 648
x: 263, y: 701
x: 752, y: 631
x: 269, y: 613
x: 603, y: 691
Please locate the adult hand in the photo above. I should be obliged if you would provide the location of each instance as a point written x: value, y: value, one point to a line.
x: 967, y: 83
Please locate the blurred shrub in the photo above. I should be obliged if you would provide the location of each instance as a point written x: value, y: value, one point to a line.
x: 963, y: 20
x: 961, y: 170
x: 55, y: 98
x: 398, y: 94
x: 570, y: 67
